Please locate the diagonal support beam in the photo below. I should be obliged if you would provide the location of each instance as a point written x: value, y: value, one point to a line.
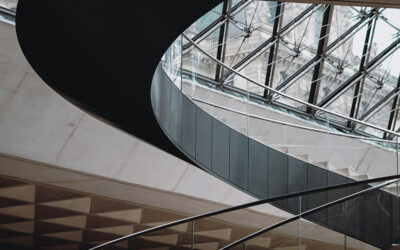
x: 393, y: 112
x: 321, y: 52
x: 382, y: 102
x: 334, y: 45
x: 223, y: 33
x: 274, y: 48
x: 359, y: 74
x: 355, y: 106
x: 217, y: 23
x: 265, y: 45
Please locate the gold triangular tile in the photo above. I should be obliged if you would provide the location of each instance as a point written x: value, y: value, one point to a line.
x: 262, y: 242
x: 23, y: 211
x: 23, y: 193
x: 179, y: 228
x: 23, y: 227
x: 132, y: 215
x: 223, y: 234
x: 71, y: 235
x: 81, y: 205
x: 47, y: 194
x: 100, y: 205
x: 120, y: 230
x: 72, y: 221
x: 170, y: 239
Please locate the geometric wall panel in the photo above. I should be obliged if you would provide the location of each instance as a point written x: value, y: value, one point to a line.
x: 35, y: 216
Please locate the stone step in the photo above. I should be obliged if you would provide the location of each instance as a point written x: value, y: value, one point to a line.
x: 303, y: 157
x: 322, y: 164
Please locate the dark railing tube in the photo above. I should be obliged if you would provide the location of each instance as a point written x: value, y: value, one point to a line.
x: 321, y: 51
x: 247, y: 205
x: 360, y: 84
x: 394, y: 111
x: 308, y: 212
x: 274, y: 48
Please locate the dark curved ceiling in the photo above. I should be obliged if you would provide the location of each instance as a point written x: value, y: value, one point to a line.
x: 101, y: 55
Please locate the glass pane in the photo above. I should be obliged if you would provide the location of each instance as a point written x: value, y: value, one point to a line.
x: 203, y: 22
x: 284, y: 237
x: 172, y: 60
x: 248, y: 29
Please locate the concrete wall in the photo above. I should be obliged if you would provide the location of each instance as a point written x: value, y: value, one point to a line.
x: 38, y: 125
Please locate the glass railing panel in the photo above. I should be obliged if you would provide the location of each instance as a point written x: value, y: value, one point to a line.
x: 226, y: 228
x: 217, y: 139
x: 211, y: 232
x: 314, y: 235
x: 205, y: 21
x: 172, y: 62
x: 353, y: 217
x: 176, y: 237
x: 196, y: 65
x: 365, y: 221
x: 284, y: 237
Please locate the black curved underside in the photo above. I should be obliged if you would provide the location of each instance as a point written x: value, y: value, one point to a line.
x: 101, y: 55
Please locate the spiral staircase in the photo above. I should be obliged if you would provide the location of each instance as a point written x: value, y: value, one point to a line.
x: 105, y: 58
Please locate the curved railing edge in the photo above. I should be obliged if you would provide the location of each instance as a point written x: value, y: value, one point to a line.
x: 294, y: 125
x: 247, y: 205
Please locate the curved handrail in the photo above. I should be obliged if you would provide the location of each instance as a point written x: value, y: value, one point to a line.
x: 308, y: 212
x: 313, y: 106
x: 294, y: 125
x: 246, y: 205
x: 7, y: 11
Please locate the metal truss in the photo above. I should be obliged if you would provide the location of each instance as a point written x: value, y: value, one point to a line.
x: 315, y: 65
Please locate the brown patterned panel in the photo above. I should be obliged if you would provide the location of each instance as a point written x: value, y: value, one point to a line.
x: 34, y: 216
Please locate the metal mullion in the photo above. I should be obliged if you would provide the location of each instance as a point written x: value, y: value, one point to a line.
x: 274, y: 48
x: 321, y: 52
x: 270, y: 40
x: 358, y: 75
x: 350, y: 30
x: 267, y: 44
x: 394, y: 111
x: 332, y: 47
x: 219, y: 21
x: 382, y: 102
x: 222, y: 38
x: 355, y: 106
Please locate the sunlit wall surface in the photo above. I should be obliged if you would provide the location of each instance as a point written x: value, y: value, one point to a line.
x: 341, y: 58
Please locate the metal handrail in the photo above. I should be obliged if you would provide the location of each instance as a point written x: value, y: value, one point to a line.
x: 308, y: 212
x: 294, y: 125
x: 7, y: 11
x: 315, y: 107
x: 246, y: 205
